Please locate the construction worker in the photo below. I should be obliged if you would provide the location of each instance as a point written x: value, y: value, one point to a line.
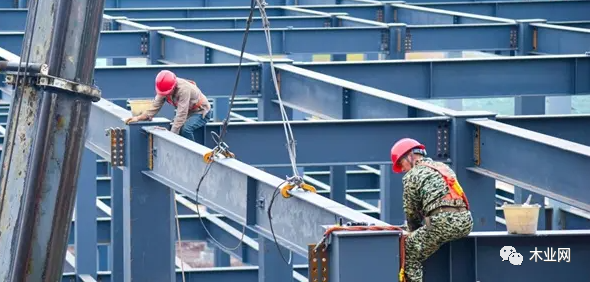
x: 193, y: 110
x: 430, y: 193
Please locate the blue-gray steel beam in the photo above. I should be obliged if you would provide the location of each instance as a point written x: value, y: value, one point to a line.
x: 247, y: 192
x: 262, y: 144
x: 379, y: 38
x: 180, y: 49
x: 138, y: 82
x: 468, y: 78
x: 229, y: 274
x: 416, y: 15
x: 554, y: 39
x: 12, y: 19
x: 569, y: 10
x: 299, y: 40
x: 476, y: 37
x: 477, y: 258
x: 579, y: 24
x: 561, y: 126
x: 364, y: 11
x: 182, y: 3
x: 378, y: 264
x: 113, y: 44
x: 333, y: 98
x: 237, y: 22
x: 44, y: 141
x: 526, y: 155
x: 373, y: 11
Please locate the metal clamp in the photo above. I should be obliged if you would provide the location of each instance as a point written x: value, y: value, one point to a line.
x: 117, y: 146
x: 293, y: 182
x: 38, y: 75
x: 221, y: 148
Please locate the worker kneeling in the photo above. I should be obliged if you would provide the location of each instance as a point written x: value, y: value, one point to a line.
x: 431, y: 193
x: 193, y: 110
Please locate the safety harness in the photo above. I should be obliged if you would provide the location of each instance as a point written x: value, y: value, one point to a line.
x: 196, y: 106
x: 455, y: 189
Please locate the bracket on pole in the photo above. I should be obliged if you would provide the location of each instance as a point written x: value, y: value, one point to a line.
x: 38, y: 75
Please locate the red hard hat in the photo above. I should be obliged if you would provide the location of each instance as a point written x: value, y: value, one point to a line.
x: 400, y: 148
x: 165, y: 82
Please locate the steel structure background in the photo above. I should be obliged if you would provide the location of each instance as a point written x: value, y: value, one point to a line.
x: 347, y: 114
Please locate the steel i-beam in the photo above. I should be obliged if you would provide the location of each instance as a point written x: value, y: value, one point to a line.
x: 45, y: 137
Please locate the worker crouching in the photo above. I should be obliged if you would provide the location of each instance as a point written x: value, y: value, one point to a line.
x: 431, y: 194
x: 193, y: 110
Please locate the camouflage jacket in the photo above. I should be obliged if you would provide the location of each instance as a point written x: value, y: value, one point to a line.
x: 424, y: 188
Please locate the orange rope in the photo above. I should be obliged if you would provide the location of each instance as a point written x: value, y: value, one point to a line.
x: 402, y: 248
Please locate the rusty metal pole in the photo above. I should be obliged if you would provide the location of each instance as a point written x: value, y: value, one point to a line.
x: 45, y: 136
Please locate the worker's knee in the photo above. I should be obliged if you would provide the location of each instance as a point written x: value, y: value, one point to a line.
x: 454, y: 225
x: 186, y: 131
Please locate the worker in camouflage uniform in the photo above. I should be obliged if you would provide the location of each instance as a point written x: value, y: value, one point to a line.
x: 431, y: 194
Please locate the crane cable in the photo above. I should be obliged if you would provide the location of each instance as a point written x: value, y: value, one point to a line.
x: 221, y: 146
x: 291, y: 144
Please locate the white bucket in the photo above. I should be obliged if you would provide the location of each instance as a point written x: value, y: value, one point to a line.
x: 139, y: 106
x: 521, y: 219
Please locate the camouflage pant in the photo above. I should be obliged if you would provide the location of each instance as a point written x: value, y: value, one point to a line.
x: 426, y: 240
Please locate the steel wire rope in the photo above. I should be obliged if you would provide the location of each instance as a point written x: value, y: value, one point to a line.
x: 219, y: 138
x: 291, y: 144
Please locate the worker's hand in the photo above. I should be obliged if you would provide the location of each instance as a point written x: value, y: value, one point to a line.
x: 136, y: 119
x: 131, y: 120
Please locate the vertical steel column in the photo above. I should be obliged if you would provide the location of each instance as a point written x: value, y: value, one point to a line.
x: 480, y: 190
x: 45, y: 141
x: 148, y: 214
x: 529, y: 105
x: 362, y: 256
x: 116, y: 257
x: 267, y: 109
x: 391, y: 193
x: 85, y: 227
x: 271, y: 267
x: 338, y: 184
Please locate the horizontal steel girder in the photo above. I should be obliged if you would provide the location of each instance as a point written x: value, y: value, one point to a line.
x: 528, y: 159
x: 181, y: 3
x: 215, y: 80
x: 363, y: 10
x: 112, y: 44
x: 574, y: 10
x: 246, y: 194
x: 468, y: 78
x: 262, y: 144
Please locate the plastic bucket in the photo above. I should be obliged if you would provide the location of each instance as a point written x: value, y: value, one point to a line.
x: 521, y: 219
x: 139, y: 106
